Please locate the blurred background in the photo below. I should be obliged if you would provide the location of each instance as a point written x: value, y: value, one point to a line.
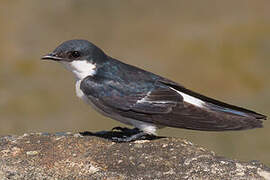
x: 220, y: 49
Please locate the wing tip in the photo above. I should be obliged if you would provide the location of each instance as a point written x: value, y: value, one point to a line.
x: 253, y: 123
x: 258, y: 116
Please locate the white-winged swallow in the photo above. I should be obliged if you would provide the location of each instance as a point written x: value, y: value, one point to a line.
x: 142, y: 99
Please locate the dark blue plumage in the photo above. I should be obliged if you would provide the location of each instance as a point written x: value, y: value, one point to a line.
x: 140, y: 98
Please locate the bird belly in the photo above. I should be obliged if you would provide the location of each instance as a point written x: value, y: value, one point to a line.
x: 146, y: 127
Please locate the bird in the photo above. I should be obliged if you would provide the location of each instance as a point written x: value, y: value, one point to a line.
x: 142, y: 99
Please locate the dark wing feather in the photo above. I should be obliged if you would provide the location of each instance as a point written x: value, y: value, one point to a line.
x: 156, y: 101
x: 159, y: 104
x: 215, y: 115
x: 151, y: 99
x: 213, y: 103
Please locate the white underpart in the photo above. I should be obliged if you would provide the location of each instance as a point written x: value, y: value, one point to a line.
x: 189, y: 99
x: 80, y: 68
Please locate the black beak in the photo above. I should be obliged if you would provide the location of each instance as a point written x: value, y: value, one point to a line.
x: 51, y: 56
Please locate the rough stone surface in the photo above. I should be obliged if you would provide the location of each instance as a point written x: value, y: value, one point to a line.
x: 72, y: 156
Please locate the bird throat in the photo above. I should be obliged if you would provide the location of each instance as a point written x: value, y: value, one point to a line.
x: 81, y: 68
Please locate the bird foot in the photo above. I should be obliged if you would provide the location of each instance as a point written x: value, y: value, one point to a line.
x: 120, y: 135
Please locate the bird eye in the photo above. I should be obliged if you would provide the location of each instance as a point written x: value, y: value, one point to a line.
x: 75, y: 54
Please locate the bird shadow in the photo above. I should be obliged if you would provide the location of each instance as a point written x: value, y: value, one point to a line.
x: 115, y: 135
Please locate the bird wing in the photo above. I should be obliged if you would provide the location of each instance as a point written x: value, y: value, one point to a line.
x: 214, y: 104
x: 151, y: 99
x: 169, y: 104
x: 155, y: 101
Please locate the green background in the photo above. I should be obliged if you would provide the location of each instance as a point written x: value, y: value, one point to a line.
x: 220, y: 49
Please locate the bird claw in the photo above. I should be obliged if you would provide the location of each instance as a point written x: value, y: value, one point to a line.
x: 134, y: 137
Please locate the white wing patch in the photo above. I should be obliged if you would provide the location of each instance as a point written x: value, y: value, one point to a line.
x: 189, y: 99
x: 143, y: 100
x: 80, y: 68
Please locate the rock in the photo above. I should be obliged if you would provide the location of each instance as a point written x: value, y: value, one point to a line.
x: 72, y: 156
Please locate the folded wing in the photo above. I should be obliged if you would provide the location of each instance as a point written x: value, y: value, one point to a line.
x: 169, y: 104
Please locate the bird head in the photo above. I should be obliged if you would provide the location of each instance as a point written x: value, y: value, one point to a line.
x: 81, y: 57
